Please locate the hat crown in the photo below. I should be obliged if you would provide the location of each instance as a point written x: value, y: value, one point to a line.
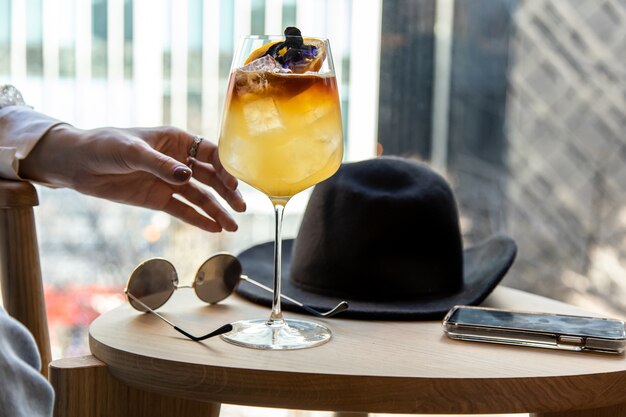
x: 380, y: 229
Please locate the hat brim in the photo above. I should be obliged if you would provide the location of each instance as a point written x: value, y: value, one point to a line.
x: 484, y: 266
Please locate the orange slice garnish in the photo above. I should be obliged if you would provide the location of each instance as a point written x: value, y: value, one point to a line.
x: 308, y: 64
x: 259, y: 52
x: 314, y: 64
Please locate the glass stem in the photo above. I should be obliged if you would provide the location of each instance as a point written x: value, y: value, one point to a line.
x: 277, y: 316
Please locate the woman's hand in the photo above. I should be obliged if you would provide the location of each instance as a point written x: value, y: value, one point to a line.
x: 139, y: 166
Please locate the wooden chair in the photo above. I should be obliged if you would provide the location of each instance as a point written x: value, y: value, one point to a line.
x: 83, y: 385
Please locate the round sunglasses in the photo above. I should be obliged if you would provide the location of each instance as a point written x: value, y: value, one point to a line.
x: 154, y: 281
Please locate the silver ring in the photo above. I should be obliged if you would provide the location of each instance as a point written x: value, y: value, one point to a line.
x: 193, y: 150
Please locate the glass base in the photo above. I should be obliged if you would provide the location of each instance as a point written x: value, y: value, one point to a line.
x: 282, y: 335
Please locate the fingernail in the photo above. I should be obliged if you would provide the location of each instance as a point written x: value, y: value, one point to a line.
x: 182, y: 173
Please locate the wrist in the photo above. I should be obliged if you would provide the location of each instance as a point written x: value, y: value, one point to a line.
x: 48, y: 161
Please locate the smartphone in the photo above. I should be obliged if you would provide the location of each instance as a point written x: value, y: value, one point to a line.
x: 544, y: 330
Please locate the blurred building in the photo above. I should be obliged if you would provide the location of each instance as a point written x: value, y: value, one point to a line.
x: 533, y: 140
x: 566, y: 118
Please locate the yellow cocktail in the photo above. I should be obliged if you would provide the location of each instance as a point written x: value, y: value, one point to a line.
x: 282, y: 131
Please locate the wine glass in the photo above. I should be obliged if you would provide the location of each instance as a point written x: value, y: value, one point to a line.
x: 281, y: 133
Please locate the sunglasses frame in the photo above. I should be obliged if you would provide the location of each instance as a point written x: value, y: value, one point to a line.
x: 221, y: 264
x: 235, y: 276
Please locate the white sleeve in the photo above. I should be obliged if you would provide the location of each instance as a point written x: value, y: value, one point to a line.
x: 25, y: 392
x: 20, y: 129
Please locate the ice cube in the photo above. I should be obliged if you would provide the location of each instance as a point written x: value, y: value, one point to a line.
x: 318, y: 112
x: 250, y: 83
x: 262, y: 116
x: 311, y: 154
x: 311, y: 108
x: 237, y: 153
x: 252, y: 78
x: 264, y: 64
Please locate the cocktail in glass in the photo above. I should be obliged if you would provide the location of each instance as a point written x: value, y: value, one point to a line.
x: 281, y: 133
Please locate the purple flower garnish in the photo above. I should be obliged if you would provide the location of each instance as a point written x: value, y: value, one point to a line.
x: 296, y: 53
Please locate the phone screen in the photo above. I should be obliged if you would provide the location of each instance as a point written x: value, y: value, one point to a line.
x: 550, y: 323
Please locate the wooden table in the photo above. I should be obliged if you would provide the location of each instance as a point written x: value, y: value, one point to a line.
x: 368, y: 367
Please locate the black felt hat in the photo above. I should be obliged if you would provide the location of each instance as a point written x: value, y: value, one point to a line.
x: 382, y: 234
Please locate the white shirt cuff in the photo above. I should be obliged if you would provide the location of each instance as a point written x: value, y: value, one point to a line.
x: 21, y: 128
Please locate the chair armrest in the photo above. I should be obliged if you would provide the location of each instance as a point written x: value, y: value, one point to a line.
x: 84, y: 387
x: 17, y: 194
x: 20, y: 270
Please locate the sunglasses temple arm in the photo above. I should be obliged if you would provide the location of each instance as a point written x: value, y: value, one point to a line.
x: 342, y: 306
x: 224, y: 329
x: 138, y: 301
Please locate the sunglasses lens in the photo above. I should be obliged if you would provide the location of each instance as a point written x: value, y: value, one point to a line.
x: 217, y: 278
x: 153, y: 283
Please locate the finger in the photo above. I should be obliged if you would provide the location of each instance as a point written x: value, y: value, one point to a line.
x: 206, y: 174
x: 190, y: 215
x: 228, y: 179
x: 207, y: 202
x: 208, y: 153
x: 144, y: 158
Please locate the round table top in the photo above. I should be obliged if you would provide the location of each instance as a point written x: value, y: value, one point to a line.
x: 368, y: 366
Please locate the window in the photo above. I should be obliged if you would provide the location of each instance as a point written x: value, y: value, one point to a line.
x: 521, y: 104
